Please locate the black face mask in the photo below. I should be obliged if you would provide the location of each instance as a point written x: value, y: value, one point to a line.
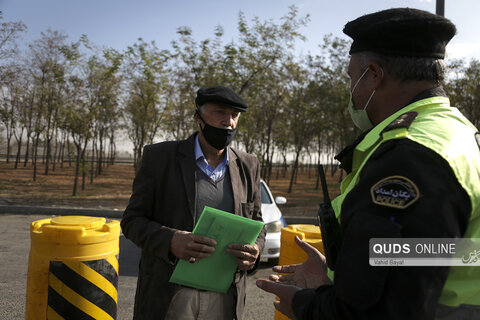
x: 218, y: 138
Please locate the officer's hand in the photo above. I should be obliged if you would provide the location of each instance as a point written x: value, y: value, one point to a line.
x: 284, y: 292
x: 245, y: 254
x: 191, y: 247
x: 310, y: 274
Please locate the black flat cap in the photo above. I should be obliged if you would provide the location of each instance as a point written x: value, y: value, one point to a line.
x: 401, y: 32
x: 220, y: 95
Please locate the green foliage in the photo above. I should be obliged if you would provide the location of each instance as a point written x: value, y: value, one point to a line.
x: 145, y: 82
x: 463, y: 87
x: 297, y: 105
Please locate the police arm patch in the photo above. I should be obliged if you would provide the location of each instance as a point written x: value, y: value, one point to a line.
x: 395, y: 192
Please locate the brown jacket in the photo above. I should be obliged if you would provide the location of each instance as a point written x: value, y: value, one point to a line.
x: 163, y: 200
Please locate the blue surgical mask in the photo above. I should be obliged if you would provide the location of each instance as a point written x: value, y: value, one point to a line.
x: 360, y: 117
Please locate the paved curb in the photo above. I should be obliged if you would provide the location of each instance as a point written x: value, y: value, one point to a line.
x: 60, y: 211
x: 109, y: 213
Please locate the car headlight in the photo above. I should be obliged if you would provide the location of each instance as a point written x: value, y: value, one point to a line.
x: 275, y: 226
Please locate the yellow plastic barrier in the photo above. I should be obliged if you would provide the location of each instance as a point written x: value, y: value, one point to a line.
x: 291, y: 253
x: 73, y: 268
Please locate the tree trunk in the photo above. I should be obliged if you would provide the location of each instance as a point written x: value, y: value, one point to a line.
x: 9, y: 137
x: 44, y: 153
x: 294, y: 171
x: 27, y: 149
x: 60, y: 157
x: 112, y: 149
x: 19, y: 151
x: 19, y: 139
x: 68, y: 152
x: 100, y: 155
x: 267, y: 154
x: 77, y: 170
x: 135, y: 158
x: 84, y: 164
x: 317, y: 181
x: 138, y: 158
x: 55, y: 152
x: 35, y: 156
x: 84, y: 172
x: 319, y: 162
x: 92, y: 161
x: 270, y: 165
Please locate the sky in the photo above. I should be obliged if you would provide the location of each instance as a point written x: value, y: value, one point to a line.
x: 119, y: 23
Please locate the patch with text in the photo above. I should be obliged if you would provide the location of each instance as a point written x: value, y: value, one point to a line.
x: 395, y: 191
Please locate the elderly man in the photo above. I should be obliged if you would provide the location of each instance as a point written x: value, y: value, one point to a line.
x: 413, y: 173
x: 176, y: 180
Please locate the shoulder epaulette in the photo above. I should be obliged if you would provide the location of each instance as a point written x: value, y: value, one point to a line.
x: 403, y: 121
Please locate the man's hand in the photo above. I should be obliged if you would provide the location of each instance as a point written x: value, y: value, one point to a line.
x: 310, y: 274
x: 245, y: 254
x: 191, y: 247
x: 284, y: 292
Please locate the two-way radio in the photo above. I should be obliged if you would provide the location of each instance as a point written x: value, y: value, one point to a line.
x: 329, y: 226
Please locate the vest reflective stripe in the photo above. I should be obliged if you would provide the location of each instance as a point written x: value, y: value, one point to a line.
x: 446, y: 131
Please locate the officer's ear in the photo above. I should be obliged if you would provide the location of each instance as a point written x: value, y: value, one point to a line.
x: 377, y: 74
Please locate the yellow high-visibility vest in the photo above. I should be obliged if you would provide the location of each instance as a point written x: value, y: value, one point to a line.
x: 444, y: 130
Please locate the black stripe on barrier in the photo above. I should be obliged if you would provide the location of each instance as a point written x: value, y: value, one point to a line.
x: 84, y: 288
x: 64, y: 308
x: 104, y: 268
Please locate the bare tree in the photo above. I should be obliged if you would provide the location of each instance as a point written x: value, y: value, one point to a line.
x: 48, y: 71
x: 144, y: 73
x: 9, y: 34
x: 463, y: 88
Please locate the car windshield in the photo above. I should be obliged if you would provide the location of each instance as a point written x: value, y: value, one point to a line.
x: 265, y: 196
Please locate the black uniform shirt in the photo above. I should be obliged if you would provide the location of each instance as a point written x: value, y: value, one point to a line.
x: 442, y: 210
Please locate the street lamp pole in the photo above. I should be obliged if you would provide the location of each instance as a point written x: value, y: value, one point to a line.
x: 440, y: 8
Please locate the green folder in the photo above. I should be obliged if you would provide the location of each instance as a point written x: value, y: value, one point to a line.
x: 216, y: 272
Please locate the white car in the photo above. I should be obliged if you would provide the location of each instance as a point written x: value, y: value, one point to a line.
x: 274, y: 222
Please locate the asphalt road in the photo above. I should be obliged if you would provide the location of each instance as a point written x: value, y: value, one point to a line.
x: 15, y: 247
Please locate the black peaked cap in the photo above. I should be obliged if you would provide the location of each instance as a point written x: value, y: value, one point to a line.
x: 220, y: 95
x: 401, y: 32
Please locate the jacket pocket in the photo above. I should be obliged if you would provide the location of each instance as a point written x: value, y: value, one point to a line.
x: 247, y: 209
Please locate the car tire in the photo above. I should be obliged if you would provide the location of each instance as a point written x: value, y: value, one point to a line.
x: 273, y: 261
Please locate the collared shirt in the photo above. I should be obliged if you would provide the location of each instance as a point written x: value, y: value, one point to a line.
x: 214, y: 174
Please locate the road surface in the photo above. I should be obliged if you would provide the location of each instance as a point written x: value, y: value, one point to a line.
x: 15, y: 247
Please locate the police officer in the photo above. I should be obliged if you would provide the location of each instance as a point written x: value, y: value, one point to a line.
x: 413, y: 173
